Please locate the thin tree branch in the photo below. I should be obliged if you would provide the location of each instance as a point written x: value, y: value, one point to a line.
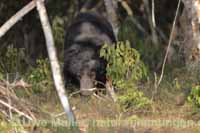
x: 169, y: 43
x: 153, y: 14
x: 16, y: 110
x: 150, y: 21
x: 110, y: 89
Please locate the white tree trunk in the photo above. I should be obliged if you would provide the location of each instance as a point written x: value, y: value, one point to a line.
x: 111, y: 7
x: 191, y: 16
x: 58, y: 81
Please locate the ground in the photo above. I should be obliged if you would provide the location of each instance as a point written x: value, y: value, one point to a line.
x: 160, y: 118
x: 98, y: 113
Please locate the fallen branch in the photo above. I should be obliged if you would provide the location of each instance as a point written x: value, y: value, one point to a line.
x: 16, y: 110
x: 14, y: 19
x: 7, y: 92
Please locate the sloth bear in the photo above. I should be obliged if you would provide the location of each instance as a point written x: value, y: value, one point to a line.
x: 83, y: 40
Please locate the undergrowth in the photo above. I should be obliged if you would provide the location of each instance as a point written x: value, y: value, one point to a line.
x: 125, y: 69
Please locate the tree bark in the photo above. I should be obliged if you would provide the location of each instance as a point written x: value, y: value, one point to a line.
x: 191, y: 30
x: 53, y: 60
x: 111, y: 7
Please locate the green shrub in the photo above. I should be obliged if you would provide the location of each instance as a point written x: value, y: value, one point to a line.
x: 125, y: 69
x: 40, y: 77
x: 194, y: 97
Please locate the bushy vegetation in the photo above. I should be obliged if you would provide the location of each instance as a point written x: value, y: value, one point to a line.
x: 41, y: 72
x: 194, y: 97
x: 125, y: 69
x: 40, y: 77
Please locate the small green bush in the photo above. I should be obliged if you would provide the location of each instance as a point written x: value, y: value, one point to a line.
x: 41, y: 72
x: 40, y: 77
x: 125, y: 69
x: 194, y: 97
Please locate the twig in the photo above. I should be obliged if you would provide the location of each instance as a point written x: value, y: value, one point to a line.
x: 98, y: 97
x: 6, y: 92
x: 60, y: 114
x: 16, y: 110
x: 101, y: 83
x: 110, y: 89
x: 80, y: 91
x: 169, y: 43
x: 153, y: 14
x: 155, y: 86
